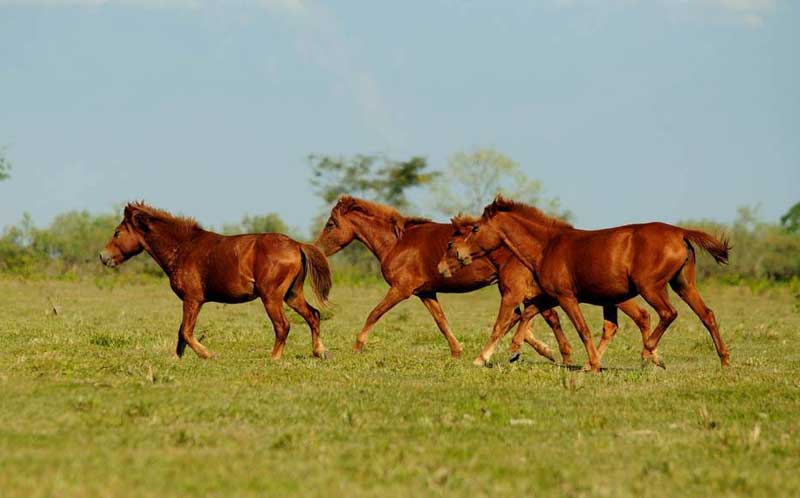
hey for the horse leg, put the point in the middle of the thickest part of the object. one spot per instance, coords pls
(389, 301)
(506, 317)
(658, 298)
(610, 327)
(572, 309)
(435, 309)
(641, 318)
(297, 301)
(179, 349)
(551, 317)
(525, 332)
(190, 311)
(683, 284)
(273, 304)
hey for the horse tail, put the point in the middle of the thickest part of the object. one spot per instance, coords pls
(320, 271)
(717, 248)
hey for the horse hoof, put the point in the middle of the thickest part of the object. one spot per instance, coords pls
(358, 347)
(514, 357)
(479, 362)
(455, 354)
(725, 361)
(587, 367)
(322, 355)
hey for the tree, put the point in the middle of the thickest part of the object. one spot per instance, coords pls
(791, 220)
(372, 177)
(270, 222)
(5, 166)
(472, 179)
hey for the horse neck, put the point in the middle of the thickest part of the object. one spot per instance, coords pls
(165, 242)
(526, 239)
(378, 236)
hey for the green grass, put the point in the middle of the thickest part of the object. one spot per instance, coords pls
(92, 403)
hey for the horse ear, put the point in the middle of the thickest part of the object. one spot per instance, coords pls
(399, 228)
(141, 221)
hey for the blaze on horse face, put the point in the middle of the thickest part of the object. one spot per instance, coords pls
(472, 238)
(127, 240)
(337, 233)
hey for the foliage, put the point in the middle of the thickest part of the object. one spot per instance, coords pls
(5, 166)
(372, 177)
(267, 223)
(472, 179)
(761, 251)
(375, 178)
(93, 403)
(791, 220)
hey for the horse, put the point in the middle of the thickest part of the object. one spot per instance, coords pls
(450, 264)
(204, 266)
(408, 248)
(602, 267)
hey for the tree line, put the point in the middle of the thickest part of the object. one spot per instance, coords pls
(68, 246)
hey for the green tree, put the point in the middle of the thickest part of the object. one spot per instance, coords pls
(270, 222)
(791, 220)
(372, 177)
(472, 179)
(5, 166)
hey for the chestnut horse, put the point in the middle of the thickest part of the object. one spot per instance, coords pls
(408, 249)
(205, 267)
(602, 267)
(450, 264)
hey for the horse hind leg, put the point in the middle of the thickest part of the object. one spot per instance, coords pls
(297, 301)
(658, 298)
(610, 327)
(435, 309)
(273, 304)
(684, 285)
(525, 332)
(641, 318)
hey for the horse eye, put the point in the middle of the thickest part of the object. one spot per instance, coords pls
(450, 245)
(475, 228)
(116, 234)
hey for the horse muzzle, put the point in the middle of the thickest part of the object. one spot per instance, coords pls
(107, 259)
(444, 269)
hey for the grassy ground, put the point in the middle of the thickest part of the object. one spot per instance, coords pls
(92, 403)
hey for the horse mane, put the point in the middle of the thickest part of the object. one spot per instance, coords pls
(349, 203)
(503, 205)
(462, 219)
(176, 223)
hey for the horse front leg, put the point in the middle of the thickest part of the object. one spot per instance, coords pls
(389, 301)
(190, 311)
(572, 309)
(506, 317)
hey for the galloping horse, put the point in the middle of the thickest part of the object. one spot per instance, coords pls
(205, 267)
(408, 249)
(450, 264)
(602, 267)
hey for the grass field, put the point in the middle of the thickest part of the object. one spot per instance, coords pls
(93, 404)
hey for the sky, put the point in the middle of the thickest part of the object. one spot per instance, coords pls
(625, 110)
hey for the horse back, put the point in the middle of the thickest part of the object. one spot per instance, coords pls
(417, 254)
(610, 262)
(236, 268)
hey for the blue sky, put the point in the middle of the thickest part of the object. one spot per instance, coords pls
(625, 110)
